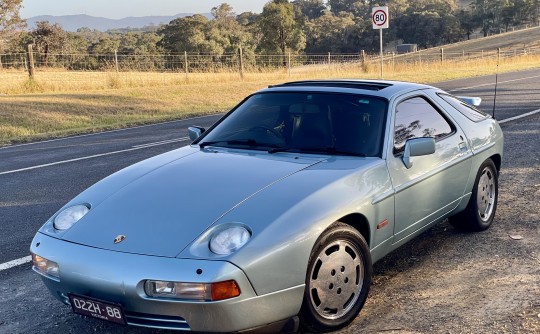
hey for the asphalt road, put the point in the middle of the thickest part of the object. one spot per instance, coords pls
(36, 179)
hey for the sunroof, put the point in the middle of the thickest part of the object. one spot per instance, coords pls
(375, 86)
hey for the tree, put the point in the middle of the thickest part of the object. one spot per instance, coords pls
(11, 23)
(185, 34)
(280, 31)
(226, 32)
(76, 44)
(427, 27)
(309, 9)
(508, 15)
(397, 8)
(247, 18)
(467, 22)
(147, 44)
(222, 11)
(106, 45)
(48, 38)
(490, 14)
(338, 6)
(330, 33)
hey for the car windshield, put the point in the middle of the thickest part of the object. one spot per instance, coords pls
(315, 122)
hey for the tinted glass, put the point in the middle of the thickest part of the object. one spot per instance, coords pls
(305, 122)
(416, 118)
(467, 110)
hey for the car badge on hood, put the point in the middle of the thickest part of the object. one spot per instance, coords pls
(119, 239)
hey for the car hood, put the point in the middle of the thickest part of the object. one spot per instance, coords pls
(169, 201)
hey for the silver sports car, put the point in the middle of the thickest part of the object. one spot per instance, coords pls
(273, 217)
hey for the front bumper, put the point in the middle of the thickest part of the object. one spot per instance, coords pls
(119, 278)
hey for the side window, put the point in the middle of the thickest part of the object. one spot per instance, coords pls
(416, 118)
(470, 112)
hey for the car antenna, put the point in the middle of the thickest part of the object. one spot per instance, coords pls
(496, 81)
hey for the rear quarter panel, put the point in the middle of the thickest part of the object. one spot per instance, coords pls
(485, 140)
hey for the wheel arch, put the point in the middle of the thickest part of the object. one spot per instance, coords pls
(497, 160)
(359, 222)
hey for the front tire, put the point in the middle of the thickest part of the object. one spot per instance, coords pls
(480, 211)
(337, 280)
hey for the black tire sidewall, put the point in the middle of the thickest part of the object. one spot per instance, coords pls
(310, 318)
(476, 221)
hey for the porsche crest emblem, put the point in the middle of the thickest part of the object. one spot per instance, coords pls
(119, 239)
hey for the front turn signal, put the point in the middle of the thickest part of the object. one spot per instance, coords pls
(225, 290)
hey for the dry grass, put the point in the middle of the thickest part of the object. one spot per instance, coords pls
(62, 103)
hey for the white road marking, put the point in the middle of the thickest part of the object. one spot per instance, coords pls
(519, 116)
(84, 158)
(162, 142)
(493, 83)
(110, 131)
(15, 263)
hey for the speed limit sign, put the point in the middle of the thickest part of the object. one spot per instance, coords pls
(379, 17)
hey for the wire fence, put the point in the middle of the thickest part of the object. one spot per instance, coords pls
(184, 62)
(440, 55)
(212, 63)
(79, 72)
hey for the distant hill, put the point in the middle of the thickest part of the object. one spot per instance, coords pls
(74, 22)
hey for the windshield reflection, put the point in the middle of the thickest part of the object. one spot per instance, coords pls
(316, 123)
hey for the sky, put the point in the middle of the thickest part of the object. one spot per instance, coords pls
(116, 9)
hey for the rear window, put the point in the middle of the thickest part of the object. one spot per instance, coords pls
(467, 110)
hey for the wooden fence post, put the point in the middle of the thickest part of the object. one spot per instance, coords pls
(329, 62)
(289, 64)
(241, 62)
(186, 63)
(363, 60)
(30, 56)
(116, 61)
(442, 55)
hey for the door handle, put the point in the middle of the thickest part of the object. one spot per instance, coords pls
(462, 146)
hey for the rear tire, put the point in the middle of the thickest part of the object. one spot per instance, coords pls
(337, 280)
(482, 205)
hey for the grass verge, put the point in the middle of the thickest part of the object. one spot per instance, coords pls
(63, 103)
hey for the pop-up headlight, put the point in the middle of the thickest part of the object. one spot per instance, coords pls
(69, 216)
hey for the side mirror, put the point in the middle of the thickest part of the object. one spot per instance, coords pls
(195, 132)
(417, 147)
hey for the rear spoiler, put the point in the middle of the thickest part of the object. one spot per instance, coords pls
(475, 101)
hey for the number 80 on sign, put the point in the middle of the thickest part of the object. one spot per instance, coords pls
(379, 17)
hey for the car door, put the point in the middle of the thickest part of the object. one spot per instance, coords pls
(435, 183)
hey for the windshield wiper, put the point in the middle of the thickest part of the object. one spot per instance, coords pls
(327, 150)
(248, 142)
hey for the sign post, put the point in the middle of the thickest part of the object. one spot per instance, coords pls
(379, 17)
